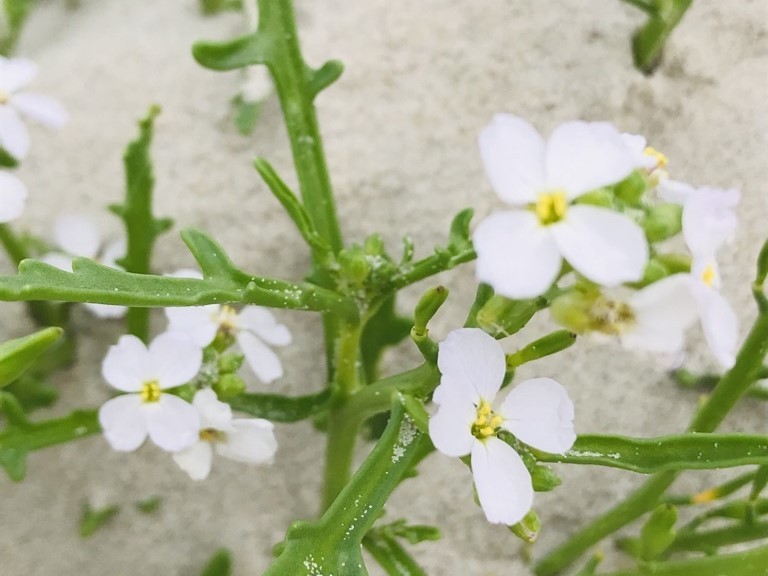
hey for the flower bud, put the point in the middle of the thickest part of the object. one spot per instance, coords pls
(572, 310)
(632, 188)
(427, 307)
(663, 222)
(501, 316)
(374, 245)
(230, 363)
(229, 385)
(600, 197)
(528, 528)
(544, 478)
(658, 533)
(549, 344)
(354, 265)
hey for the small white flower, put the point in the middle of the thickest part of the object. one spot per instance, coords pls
(249, 440)
(253, 327)
(644, 157)
(709, 219)
(538, 412)
(520, 252)
(130, 366)
(78, 236)
(15, 74)
(13, 195)
(654, 318)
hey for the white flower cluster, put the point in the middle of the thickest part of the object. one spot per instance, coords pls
(521, 252)
(192, 432)
(15, 74)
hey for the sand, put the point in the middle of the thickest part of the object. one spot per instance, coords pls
(421, 79)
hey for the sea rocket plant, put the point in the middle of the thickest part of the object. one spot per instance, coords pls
(15, 74)
(520, 252)
(469, 417)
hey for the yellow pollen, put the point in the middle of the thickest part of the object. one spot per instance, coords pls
(705, 496)
(487, 422)
(4, 97)
(150, 391)
(708, 275)
(550, 207)
(211, 435)
(226, 318)
(661, 159)
(611, 316)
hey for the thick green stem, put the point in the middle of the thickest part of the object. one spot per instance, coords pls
(648, 42)
(714, 539)
(732, 386)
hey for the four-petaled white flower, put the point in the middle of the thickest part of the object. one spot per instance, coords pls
(520, 252)
(78, 236)
(709, 221)
(15, 74)
(13, 195)
(253, 327)
(469, 416)
(172, 423)
(249, 440)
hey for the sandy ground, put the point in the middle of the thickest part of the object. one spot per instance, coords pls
(422, 78)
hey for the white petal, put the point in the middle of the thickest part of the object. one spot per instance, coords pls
(262, 360)
(451, 427)
(123, 422)
(14, 137)
(636, 144)
(16, 73)
(60, 261)
(663, 312)
(174, 359)
(503, 483)
(516, 255)
(44, 109)
(196, 460)
(197, 322)
(674, 191)
(513, 155)
(262, 322)
(709, 219)
(213, 413)
(77, 235)
(472, 365)
(604, 246)
(720, 324)
(173, 424)
(106, 311)
(253, 442)
(583, 156)
(13, 195)
(540, 413)
(126, 364)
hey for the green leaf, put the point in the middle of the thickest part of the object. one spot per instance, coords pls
(6, 160)
(148, 506)
(648, 42)
(220, 564)
(692, 451)
(212, 7)
(459, 238)
(92, 519)
(17, 356)
(246, 114)
(16, 14)
(391, 555)
(33, 392)
(279, 408)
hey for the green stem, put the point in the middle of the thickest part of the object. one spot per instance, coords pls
(643, 5)
(731, 387)
(648, 42)
(714, 539)
(749, 563)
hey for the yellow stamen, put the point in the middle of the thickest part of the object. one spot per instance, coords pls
(708, 275)
(551, 207)
(150, 391)
(4, 97)
(611, 316)
(661, 159)
(705, 496)
(487, 422)
(226, 318)
(211, 435)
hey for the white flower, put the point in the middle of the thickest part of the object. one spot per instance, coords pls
(250, 440)
(520, 252)
(253, 327)
(15, 74)
(709, 219)
(130, 366)
(78, 236)
(538, 412)
(654, 318)
(644, 157)
(13, 195)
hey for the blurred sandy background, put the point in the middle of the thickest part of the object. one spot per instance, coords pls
(421, 79)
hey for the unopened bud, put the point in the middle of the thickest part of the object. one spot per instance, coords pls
(632, 188)
(600, 197)
(572, 310)
(501, 316)
(374, 245)
(549, 344)
(427, 307)
(354, 264)
(229, 385)
(544, 478)
(663, 222)
(528, 528)
(658, 533)
(230, 363)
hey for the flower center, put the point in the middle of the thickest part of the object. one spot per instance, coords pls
(4, 97)
(708, 275)
(661, 159)
(487, 422)
(611, 316)
(550, 207)
(212, 435)
(226, 318)
(150, 391)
